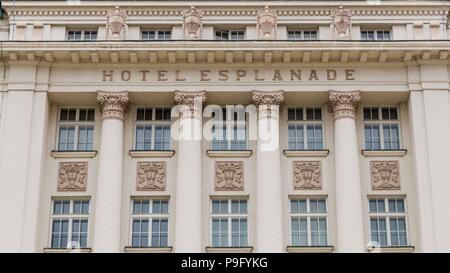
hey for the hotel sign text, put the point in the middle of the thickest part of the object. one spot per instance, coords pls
(228, 75)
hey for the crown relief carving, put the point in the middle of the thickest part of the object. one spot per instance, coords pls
(72, 176)
(307, 175)
(229, 176)
(341, 23)
(192, 23)
(267, 25)
(151, 176)
(385, 175)
(116, 25)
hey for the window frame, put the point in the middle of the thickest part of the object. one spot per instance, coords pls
(157, 31)
(75, 123)
(380, 122)
(305, 123)
(69, 217)
(302, 34)
(230, 124)
(376, 32)
(387, 216)
(230, 34)
(82, 34)
(150, 217)
(228, 216)
(308, 215)
(153, 123)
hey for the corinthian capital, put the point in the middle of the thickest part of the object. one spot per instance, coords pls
(344, 104)
(267, 98)
(114, 104)
(192, 102)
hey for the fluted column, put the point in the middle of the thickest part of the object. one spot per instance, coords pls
(350, 231)
(188, 215)
(110, 172)
(269, 230)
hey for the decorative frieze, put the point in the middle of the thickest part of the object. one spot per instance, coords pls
(344, 104)
(385, 175)
(229, 176)
(341, 23)
(307, 175)
(72, 176)
(192, 23)
(267, 25)
(114, 104)
(116, 25)
(151, 176)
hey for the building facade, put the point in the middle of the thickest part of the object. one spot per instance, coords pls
(205, 126)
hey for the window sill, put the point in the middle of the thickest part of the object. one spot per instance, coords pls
(67, 250)
(152, 153)
(73, 154)
(130, 249)
(248, 249)
(306, 153)
(237, 153)
(310, 249)
(373, 153)
(390, 249)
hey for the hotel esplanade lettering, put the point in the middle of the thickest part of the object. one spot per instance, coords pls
(231, 75)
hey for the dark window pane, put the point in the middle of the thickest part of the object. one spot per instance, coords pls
(318, 114)
(72, 114)
(385, 113)
(367, 115)
(158, 114)
(64, 114)
(299, 114)
(91, 115)
(140, 114)
(291, 114)
(393, 113)
(309, 114)
(148, 114)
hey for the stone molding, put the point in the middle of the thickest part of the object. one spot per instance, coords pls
(307, 175)
(229, 176)
(385, 175)
(151, 176)
(114, 104)
(72, 176)
(344, 104)
(267, 24)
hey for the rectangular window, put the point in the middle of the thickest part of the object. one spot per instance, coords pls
(156, 34)
(305, 129)
(299, 34)
(76, 129)
(150, 223)
(376, 35)
(381, 128)
(70, 223)
(82, 35)
(153, 129)
(229, 131)
(229, 223)
(388, 225)
(233, 35)
(309, 225)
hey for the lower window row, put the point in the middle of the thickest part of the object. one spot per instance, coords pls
(229, 227)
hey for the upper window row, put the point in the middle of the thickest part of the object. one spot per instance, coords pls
(230, 34)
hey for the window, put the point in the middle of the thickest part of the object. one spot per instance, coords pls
(76, 129)
(229, 223)
(230, 35)
(381, 128)
(159, 34)
(309, 222)
(299, 34)
(376, 35)
(153, 129)
(70, 223)
(305, 129)
(82, 35)
(150, 223)
(229, 131)
(388, 221)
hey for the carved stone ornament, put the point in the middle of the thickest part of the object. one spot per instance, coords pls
(385, 175)
(192, 24)
(192, 100)
(268, 103)
(307, 175)
(72, 176)
(344, 104)
(151, 176)
(114, 104)
(341, 22)
(267, 25)
(229, 176)
(116, 25)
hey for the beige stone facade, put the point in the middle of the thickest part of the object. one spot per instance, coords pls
(345, 106)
